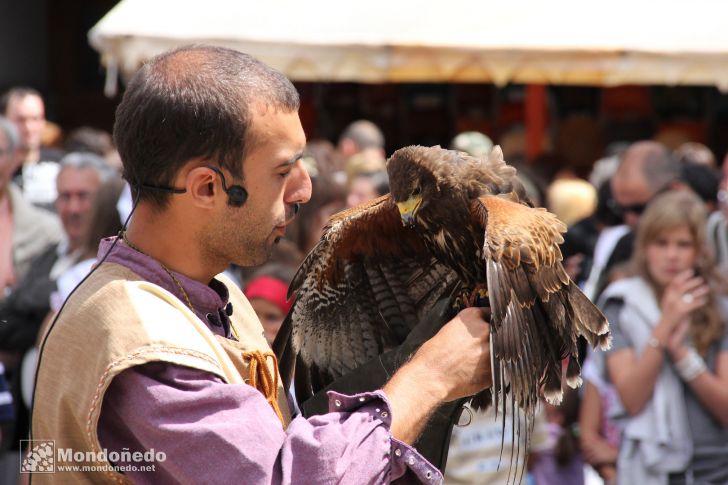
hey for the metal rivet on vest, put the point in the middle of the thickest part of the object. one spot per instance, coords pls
(428, 475)
(362, 399)
(338, 403)
(377, 410)
(411, 460)
(398, 452)
(385, 414)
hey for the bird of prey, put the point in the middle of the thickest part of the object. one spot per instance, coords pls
(451, 223)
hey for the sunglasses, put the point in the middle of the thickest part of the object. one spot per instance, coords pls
(636, 209)
(621, 210)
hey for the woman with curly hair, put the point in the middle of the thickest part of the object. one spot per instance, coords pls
(669, 358)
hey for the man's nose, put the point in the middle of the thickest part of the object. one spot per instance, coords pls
(299, 185)
(76, 205)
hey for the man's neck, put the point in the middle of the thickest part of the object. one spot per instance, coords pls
(173, 246)
(27, 156)
(73, 246)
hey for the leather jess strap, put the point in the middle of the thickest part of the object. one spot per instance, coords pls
(262, 379)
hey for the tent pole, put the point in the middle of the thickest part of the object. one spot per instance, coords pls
(535, 120)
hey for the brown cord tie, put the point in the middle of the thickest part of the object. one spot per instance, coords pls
(262, 380)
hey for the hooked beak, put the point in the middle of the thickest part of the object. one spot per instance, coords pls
(408, 210)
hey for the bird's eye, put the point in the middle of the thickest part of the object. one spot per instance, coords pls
(417, 191)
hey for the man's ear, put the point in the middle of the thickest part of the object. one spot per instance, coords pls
(202, 187)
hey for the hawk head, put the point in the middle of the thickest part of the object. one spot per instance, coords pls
(424, 181)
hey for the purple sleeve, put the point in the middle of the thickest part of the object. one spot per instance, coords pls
(212, 432)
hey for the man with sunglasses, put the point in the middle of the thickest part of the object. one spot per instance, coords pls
(646, 169)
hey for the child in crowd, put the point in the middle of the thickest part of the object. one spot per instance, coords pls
(266, 290)
(599, 431)
(561, 464)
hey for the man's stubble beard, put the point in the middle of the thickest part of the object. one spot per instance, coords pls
(236, 240)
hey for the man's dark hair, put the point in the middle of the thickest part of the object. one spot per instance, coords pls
(193, 102)
(16, 92)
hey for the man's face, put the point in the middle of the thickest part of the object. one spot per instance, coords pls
(76, 192)
(275, 179)
(631, 193)
(28, 114)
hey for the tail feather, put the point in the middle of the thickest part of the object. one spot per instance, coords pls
(552, 385)
(588, 319)
(573, 372)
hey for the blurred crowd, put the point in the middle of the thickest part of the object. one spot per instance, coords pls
(647, 241)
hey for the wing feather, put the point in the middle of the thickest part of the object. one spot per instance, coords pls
(359, 292)
(537, 312)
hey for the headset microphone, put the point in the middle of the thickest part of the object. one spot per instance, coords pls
(237, 195)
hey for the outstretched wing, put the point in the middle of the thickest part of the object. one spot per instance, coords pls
(537, 311)
(359, 292)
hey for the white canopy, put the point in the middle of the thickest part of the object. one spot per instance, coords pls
(526, 41)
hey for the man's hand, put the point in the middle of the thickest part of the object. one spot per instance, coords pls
(458, 356)
(454, 363)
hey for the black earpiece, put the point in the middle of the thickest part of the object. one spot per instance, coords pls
(237, 195)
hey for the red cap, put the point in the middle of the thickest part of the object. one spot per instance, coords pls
(271, 289)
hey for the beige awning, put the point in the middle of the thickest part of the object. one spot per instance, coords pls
(526, 41)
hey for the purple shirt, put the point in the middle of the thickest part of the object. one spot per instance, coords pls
(213, 432)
